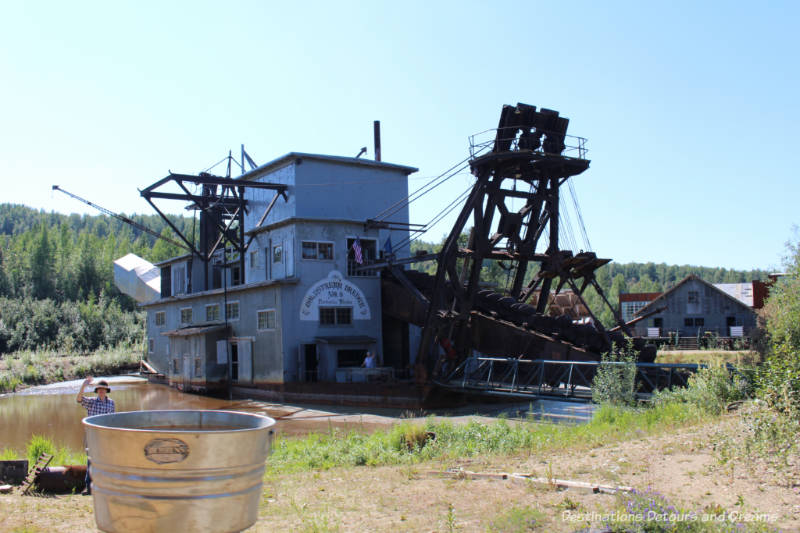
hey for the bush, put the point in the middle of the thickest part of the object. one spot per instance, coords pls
(615, 380)
(778, 382)
(710, 390)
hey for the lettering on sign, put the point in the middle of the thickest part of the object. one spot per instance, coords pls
(334, 291)
(164, 451)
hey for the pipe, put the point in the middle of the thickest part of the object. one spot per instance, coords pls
(377, 133)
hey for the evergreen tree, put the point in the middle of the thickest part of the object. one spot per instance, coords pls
(42, 264)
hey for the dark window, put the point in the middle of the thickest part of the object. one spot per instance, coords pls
(335, 315)
(166, 281)
(234, 362)
(216, 277)
(327, 315)
(309, 250)
(699, 321)
(694, 297)
(311, 361)
(658, 322)
(322, 251)
(730, 321)
(236, 275)
(350, 357)
(344, 315)
(688, 322)
(325, 250)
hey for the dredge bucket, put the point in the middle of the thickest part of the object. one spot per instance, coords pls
(172, 471)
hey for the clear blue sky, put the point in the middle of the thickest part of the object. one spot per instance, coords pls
(691, 108)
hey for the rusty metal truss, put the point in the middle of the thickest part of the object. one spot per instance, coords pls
(531, 157)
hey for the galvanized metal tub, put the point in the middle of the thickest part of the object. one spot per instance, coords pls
(177, 470)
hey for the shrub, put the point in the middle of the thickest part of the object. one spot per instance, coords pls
(615, 380)
(710, 390)
(778, 381)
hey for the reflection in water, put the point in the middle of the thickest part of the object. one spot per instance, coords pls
(53, 412)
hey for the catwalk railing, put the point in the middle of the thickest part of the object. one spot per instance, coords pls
(544, 378)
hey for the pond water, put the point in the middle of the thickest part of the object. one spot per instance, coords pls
(52, 411)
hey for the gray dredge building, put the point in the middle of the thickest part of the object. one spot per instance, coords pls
(299, 310)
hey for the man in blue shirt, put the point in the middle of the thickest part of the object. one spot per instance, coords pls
(99, 405)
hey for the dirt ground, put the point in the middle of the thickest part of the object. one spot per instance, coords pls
(680, 465)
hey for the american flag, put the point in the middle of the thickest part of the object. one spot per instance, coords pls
(357, 251)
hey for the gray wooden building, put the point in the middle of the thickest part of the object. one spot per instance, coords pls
(300, 310)
(694, 307)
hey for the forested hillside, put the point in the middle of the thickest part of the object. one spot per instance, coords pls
(56, 278)
(57, 290)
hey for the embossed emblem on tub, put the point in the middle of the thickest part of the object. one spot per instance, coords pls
(163, 451)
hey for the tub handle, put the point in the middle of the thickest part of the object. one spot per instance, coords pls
(270, 437)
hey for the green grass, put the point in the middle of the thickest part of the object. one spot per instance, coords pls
(518, 519)
(39, 444)
(7, 454)
(335, 449)
(40, 367)
(714, 357)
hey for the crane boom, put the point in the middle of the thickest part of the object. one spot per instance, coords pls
(125, 219)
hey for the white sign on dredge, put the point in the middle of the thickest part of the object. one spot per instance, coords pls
(334, 291)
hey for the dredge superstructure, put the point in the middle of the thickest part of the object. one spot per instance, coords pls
(529, 159)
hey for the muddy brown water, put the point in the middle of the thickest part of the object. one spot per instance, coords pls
(52, 411)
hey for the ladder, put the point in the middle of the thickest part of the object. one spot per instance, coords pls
(40, 464)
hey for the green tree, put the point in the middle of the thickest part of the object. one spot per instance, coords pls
(779, 377)
(42, 263)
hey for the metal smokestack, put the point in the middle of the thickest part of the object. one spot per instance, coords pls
(377, 128)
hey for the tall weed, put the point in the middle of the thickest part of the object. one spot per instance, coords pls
(39, 444)
(710, 389)
(615, 381)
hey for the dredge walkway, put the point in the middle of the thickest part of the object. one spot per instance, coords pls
(548, 379)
